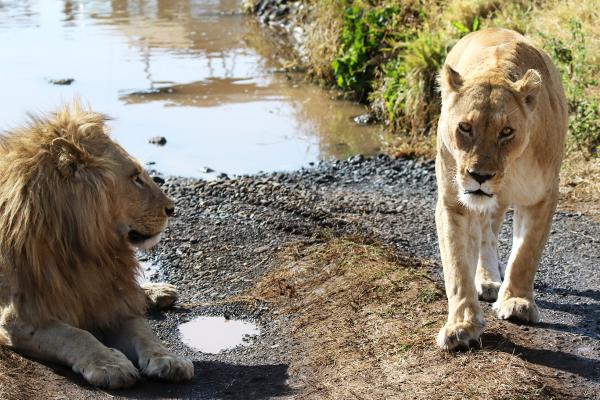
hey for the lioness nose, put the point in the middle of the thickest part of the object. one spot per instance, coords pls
(480, 178)
(170, 211)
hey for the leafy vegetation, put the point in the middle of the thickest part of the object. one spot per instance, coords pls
(388, 53)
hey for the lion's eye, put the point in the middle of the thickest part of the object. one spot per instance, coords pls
(465, 128)
(138, 181)
(507, 133)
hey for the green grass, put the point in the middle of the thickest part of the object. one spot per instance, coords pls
(388, 53)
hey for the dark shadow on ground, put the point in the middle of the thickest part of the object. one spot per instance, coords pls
(588, 317)
(587, 368)
(219, 380)
(212, 380)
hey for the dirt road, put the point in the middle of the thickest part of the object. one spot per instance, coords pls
(228, 234)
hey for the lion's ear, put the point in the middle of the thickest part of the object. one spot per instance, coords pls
(450, 80)
(529, 87)
(67, 157)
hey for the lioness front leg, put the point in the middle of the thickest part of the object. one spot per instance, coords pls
(530, 232)
(135, 338)
(76, 348)
(488, 277)
(459, 258)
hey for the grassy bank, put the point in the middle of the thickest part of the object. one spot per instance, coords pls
(363, 321)
(387, 53)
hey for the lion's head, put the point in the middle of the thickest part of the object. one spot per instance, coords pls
(141, 209)
(73, 206)
(486, 124)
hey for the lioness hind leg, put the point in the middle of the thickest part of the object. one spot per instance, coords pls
(58, 342)
(160, 295)
(530, 232)
(488, 277)
(135, 338)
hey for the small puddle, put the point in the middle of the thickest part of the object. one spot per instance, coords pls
(216, 334)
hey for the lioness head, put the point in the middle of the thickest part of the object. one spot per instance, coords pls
(88, 158)
(485, 124)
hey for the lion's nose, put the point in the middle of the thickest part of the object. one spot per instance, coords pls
(170, 211)
(480, 178)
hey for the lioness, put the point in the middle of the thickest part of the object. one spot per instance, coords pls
(500, 142)
(73, 206)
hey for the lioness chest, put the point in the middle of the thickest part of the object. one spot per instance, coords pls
(527, 183)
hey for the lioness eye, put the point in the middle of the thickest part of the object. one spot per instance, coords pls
(464, 127)
(506, 133)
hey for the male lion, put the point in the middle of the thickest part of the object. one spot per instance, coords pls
(73, 206)
(500, 142)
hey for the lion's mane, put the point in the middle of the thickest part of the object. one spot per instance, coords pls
(60, 254)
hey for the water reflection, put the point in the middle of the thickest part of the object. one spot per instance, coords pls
(216, 334)
(197, 72)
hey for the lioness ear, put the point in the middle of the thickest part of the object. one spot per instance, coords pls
(529, 87)
(67, 157)
(450, 80)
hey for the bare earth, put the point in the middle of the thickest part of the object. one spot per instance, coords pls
(338, 264)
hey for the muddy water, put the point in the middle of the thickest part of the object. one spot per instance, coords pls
(216, 334)
(199, 73)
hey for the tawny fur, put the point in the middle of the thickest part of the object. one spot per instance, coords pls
(494, 81)
(73, 206)
(59, 252)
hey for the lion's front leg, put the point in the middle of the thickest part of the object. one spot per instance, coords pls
(530, 232)
(160, 295)
(135, 338)
(77, 348)
(459, 238)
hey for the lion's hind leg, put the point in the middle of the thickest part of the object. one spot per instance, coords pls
(488, 276)
(160, 295)
(79, 349)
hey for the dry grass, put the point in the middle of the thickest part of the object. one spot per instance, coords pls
(580, 185)
(364, 321)
(17, 376)
(322, 38)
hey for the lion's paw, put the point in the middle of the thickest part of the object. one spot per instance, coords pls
(109, 369)
(168, 367)
(487, 290)
(160, 295)
(519, 308)
(454, 335)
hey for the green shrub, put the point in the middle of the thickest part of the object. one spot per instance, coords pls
(361, 43)
(410, 87)
(578, 77)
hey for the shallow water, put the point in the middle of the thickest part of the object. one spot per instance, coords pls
(216, 334)
(199, 73)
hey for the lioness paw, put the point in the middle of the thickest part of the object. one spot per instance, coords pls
(168, 367)
(461, 334)
(487, 290)
(518, 308)
(160, 295)
(108, 369)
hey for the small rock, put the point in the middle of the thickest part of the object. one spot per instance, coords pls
(365, 119)
(158, 140)
(206, 170)
(63, 82)
(158, 180)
